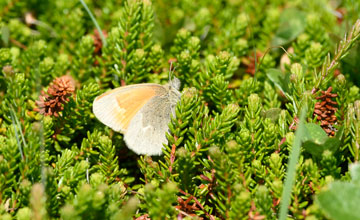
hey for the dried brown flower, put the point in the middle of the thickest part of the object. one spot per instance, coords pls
(324, 111)
(250, 63)
(97, 41)
(98, 44)
(58, 93)
(143, 217)
(8, 70)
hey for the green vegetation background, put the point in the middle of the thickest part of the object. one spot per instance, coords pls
(234, 129)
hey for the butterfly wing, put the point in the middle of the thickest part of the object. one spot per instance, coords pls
(146, 131)
(117, 107)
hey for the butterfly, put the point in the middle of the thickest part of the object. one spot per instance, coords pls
(141, 112)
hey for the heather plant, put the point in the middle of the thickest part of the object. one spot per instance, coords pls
(268, 125)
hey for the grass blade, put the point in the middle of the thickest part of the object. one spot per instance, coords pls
(13, 116)
(95, 22)
(291, 171)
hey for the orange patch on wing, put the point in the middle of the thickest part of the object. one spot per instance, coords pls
(116, 108)
(132, 101)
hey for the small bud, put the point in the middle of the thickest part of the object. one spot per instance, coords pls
(275, 158)
(189, 92)
(139, 53)
(262, 191)
(340, 79)
(8, 70)
(214, 152)
(354, 91)
(242, 44)
(97, 178)
(40, 45)
(256, 164)
(185, 56)
(99, 197)
(65, 190)
(183, 33)
(357, 109)
(83, 165)
(87, 41)
(254, 102)
(181, 152)
(234, 108)
(5, 56)
(156, 48)
(297, 70)
(245, 195)
(15, 52)
(25, 183)
(326, 154)
(224, 55)
(63, 59)
(46, 65)
(232, 146)
(245, 136)
(20, 78)
(154, 183)
(303, 39)
(277, 186)
(290, 138)
(210, 58)
(194, 42)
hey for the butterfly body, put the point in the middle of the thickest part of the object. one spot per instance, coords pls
(141, 112)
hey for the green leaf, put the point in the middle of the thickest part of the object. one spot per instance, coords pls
(272, 113)
(5, 35)
(340, 133)
(341, 201)
(280, 79)
(315, 133)
(355, 173)
(292, 23)
(316, 141)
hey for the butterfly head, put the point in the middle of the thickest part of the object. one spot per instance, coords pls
(174, 83)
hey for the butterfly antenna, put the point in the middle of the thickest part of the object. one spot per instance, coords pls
(171, 71)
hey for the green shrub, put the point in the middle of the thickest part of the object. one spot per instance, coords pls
(247, 68)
